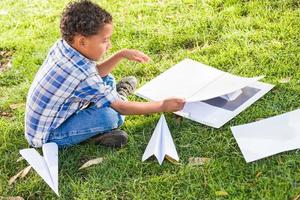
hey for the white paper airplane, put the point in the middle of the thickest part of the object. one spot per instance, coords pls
(47, 166)
(270, 136)
(161, 144)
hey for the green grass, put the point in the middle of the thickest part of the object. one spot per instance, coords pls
(248, 38)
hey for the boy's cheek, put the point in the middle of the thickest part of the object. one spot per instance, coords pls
(100, 53)
(94, 55)
(103, 50)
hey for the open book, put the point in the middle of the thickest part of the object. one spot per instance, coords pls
(193, 81)
(213, 96)
(47, 166)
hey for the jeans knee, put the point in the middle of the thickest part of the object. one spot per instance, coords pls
(121, 120)
(112, 117)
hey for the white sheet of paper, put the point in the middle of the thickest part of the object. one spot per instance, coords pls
(193, 81)
(161, 143)
(47, 166)
(268, 137)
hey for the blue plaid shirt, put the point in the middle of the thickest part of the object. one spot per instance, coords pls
(65, 83)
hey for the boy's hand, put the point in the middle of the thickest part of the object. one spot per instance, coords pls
(134, 55)
(172, 104)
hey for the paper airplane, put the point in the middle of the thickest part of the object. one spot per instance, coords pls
(47, 166)
(213, 97)
(161, 144)
(270, 136)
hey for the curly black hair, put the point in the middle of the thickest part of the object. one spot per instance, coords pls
(82, 17)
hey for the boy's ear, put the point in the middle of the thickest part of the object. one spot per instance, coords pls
(81, 41)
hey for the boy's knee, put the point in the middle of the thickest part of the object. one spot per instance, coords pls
(121, 120)
(113, 118)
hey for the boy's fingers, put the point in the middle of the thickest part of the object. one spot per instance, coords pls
(138, 59)
(144, 56)
(180, 100)
(181, 103)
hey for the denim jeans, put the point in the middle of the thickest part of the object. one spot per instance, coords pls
(87, 123)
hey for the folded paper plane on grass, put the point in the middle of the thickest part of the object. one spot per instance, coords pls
(47, 166)
(270, 136)
(213, 96)
(161, 144)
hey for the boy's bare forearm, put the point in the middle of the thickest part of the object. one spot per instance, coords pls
(130, 54)
(137, 108)
(108, 65)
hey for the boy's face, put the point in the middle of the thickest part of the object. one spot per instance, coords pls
(93, 47)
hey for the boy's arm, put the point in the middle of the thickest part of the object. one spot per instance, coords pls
(107, 66)
(139, 108)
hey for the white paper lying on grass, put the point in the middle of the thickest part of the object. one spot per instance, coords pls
(161, 143)
(47, 166)
(213, 97)
(270, 136)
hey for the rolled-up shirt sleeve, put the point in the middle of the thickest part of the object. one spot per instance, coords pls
(93, 89)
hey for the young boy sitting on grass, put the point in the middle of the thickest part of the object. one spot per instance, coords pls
(72, 98)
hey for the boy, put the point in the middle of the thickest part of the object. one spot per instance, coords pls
(72, 98)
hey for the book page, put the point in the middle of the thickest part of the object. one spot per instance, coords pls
(225, 84)
(182, 80)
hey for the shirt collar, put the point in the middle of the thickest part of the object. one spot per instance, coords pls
(71, 52)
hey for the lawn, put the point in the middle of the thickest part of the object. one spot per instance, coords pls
(247, 38)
